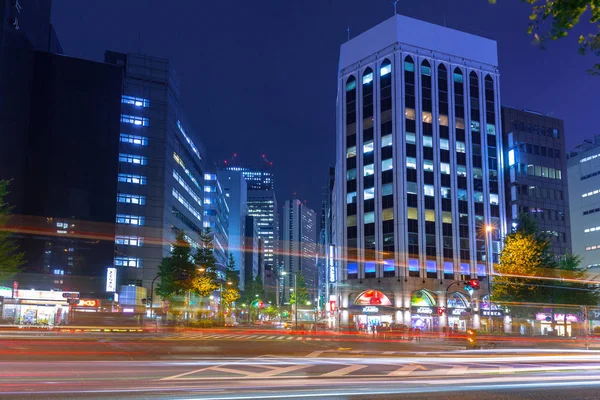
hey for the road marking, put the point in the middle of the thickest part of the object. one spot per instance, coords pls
(506, 370)
(314, 354)
(260, 337)
(298, 338)
(280, 337)
(345, 370)
(388, 352)
(271, 337)
(283, 370)
(458, 370)
(407, 369)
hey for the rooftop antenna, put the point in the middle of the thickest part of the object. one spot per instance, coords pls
(348, 32)
(395, 2)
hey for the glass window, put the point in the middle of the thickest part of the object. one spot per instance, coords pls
(388, 265)
(386, 140)
(131, 199)
(430, 215)
(448, 268)
(409, 113)
(370, 267)
(425, 70)
(386, 165)
(368, 170)
(132, 119)
(411, 163)
(385, 69)
(446, 193)
(351, 152)
(368, 146)
(129, 240)
(444, 144)
(369, 193)
(461, 194)
(130, 178)
(445, 168)
(135, 101)
(130, 219)
(478, 197)
(133, 139)
(460, 123)
(511, 157)
(427, 141)
(128, 262)
(477, 173)
(461, 170)
(351, 174)
(446, 217)
(367, 78)
(428, 190)
(490, 129)
(409, 66)
(431, 266)
(411, 138)
(460, 147)
(475, 126)
(369, 217)
(443, 119)
(458, 78)
(351, 198)
(188, 188)
(351, 220)
(412, 213)
(411, 187)
(427, 118)
(351, 84)
(428, 165)
(387, 214)
(494, 199)
(133, 159)
(387, 189)
(352, 268)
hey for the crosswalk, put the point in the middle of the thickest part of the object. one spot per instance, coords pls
(187, 336)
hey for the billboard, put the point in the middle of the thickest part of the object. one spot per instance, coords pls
(111, 279)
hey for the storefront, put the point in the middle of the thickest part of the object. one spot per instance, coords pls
(370, 309)
(458, 311)
(424, 311)
(31, 307)
(556, 327)
(492, 316)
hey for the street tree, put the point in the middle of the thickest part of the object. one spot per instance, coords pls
(10, 257)
(300, 292)
(554, 19)
(205, 276)
(176, 271)
(231, 291)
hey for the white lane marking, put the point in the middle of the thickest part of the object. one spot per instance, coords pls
(271, 337)
(458, 370)
(314, 354)
(283, 370)
(388, 352)
(298, 338)
(280, 337)
(260, 337)
(290, 338)
(407, 369)
(345, 370)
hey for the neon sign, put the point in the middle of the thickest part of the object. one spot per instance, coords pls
(370, 309)
(332, 277)
(111, 279)
(87, 303)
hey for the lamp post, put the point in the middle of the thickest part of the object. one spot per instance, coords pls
(152, 294)
(488, 230)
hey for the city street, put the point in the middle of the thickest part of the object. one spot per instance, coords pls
(236, 366)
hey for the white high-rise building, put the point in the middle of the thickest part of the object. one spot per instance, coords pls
(418, 175)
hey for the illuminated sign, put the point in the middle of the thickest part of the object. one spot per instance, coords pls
(457, 312)
(111, 279)
(87, 303)
(45, 295)
(370, 309)
(332, 305)
(128, 310)
(423, 310)
(557, 317)
(491, 313)
(332, 277)
(511, 158)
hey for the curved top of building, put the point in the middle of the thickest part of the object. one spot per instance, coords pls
(412, 32)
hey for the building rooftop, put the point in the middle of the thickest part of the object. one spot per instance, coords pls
(585, 146)
(413, 32)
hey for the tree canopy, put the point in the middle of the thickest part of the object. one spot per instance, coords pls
(10, 257)
(301, 292)
(177, 271)
(205, 278)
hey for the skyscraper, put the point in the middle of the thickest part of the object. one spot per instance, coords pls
(418, 173)
(216, 218)
(536, 174)
(299, 248)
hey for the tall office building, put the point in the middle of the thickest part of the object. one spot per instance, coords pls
(216, 218)
(299, 248)
(324, 261)
(160, 188)
(535, 173)
(236, 194)
(584, 202)
(418, 174)
(252, 246)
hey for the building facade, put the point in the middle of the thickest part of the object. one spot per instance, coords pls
(299, 248)
(584, 202)
(536, 174)
(160, 181)
(216, 218)
(418, 175)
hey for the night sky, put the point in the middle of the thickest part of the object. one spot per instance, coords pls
(259, 77)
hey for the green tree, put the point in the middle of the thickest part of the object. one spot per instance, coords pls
(10, 257)
(231, 291)
(301, 292)
(176, 272)
(562, 16)
(205, 278)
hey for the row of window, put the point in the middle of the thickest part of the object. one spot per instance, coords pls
(592, 248)
(133, 139)
(541, 213)
(131, 178)
(129, 240)
(537, 170)
(187, 139)
(133, 159)
(595, 210)
(187, 187)
(128, 262)
(584, 177)
(186, 204)
(533, 128)
(132, 119)
(131, 199)
(538, 150)
(536, 191)
(430, 267)
(135, 101)
(130, 219)
(591, 193)
(589, 158)
(179, 161)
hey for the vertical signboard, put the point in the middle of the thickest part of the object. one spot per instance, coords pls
(331, 264)
(111, 279)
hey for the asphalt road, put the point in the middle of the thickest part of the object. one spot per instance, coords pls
(221, 366)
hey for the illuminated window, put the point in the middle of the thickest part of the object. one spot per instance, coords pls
(368, 170)
(409, 66)
(351, 174)
(210, 177)
(444, 144)
(428, 190)
(367, 78)
(446, 193)
(411, 163)
(494, 199)
(387, 189)
(490, 129)
(189, 190)
(351, 152)
(460, 147)
(351, 198)
(369, 217)
(186, 204)
(427, 118)
(128, 262)
(133, 139)
(386, 140)
(445, 168)
(461, 195)
(411, 138)
(179, 161)
(131, 199)
(428, 165)
(425, 70)
(369, 193)
(387, 214)
(386, 165)
(135, 101)
(460, 123)
(443, 119)
(478, 197)
(130, 219)
(427, 141)
(385, 69)
(446, 217)
(411, 213)
(137, 121)
(188, 140)
(409, 113)
(129, 240)
(430, 215)
(351, 220)
(368, 147)
(130, 178)
(132, 159)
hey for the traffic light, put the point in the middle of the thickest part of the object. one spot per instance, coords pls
(472, 284)
(471, 338)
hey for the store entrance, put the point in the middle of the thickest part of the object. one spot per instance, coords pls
(366, 323)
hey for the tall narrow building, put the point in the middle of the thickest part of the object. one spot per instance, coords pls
(419, 175)
(299, 248)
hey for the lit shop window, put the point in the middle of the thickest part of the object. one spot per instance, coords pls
(133, 159)
(133, 139)
(131, 199)
(135, 101)
(129, 240)
(130, 178)
(130, 219)
(132, 119)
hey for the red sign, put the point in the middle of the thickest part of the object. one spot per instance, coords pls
(15, 289)
(87, 303)
(332, 305)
